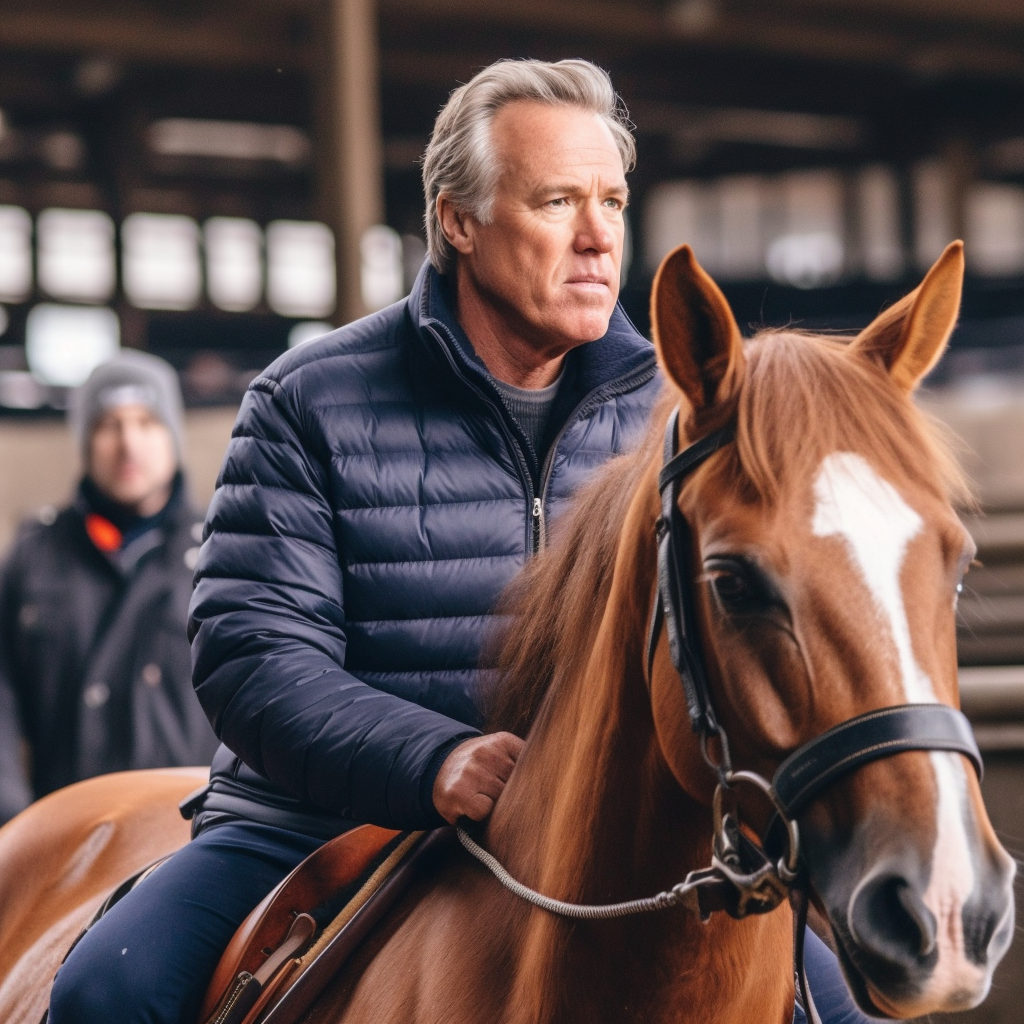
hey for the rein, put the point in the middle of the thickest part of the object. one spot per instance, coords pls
(744, 878)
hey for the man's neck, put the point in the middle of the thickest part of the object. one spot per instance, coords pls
(153, 503)
(508, 355)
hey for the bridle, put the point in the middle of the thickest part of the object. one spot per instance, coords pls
(748, 876)
(761, 880)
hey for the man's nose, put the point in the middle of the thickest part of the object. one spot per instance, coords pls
(593, 232)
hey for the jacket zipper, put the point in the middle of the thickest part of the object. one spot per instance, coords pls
(532, 502)
(621, 385)
(535, 503)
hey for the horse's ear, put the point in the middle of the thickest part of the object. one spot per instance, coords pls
(910, 337)
(695, 333)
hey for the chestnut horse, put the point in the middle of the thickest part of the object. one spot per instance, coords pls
(828, 562)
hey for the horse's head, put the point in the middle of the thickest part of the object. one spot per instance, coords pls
(828, 560)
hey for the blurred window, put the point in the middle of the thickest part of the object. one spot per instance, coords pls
(229, 140)
(808, 251)
(63, 344)
(15, 254)
(307, 330)
(76, 254)
(741, 215)
(878, 219)
(234, 262)
(300, 268)
(160, 260)
(995, 229)
(933, 220)
(380, 270)
(678, 212)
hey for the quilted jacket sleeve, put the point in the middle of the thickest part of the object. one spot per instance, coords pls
(267, 623)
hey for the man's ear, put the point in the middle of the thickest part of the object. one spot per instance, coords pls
(910, 337)
(454, 224)
(695, 333)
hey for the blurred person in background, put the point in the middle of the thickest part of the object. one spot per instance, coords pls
(95, 674)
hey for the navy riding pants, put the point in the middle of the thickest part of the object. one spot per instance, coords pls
(149, 960)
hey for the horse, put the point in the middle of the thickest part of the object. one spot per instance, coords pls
(826, 561)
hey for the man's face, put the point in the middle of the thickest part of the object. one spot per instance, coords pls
(131, 458)
(549, 260)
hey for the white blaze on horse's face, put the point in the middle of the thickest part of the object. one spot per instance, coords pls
(876, 525)
(853, 502)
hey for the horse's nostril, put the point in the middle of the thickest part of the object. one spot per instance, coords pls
(888, 919)
(922, 917)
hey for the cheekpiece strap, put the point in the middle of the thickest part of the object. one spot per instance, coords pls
(674, 605)
(870, 737)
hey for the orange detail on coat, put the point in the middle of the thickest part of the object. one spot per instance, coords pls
(102, 532)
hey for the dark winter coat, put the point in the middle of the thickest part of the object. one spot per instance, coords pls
(94, 660)
(375, 499)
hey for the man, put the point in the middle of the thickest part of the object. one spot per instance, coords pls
(382, 486)
(95, 673)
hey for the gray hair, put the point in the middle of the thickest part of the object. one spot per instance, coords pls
(459, 160)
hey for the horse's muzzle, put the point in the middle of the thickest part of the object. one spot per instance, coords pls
(908, 948)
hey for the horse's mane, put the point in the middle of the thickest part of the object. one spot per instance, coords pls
(801, 398)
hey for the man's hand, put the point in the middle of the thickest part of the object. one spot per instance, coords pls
(474, 774)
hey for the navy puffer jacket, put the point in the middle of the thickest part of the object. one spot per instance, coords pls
(375, 499)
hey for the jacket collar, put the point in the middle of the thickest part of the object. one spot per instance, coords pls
(620, 353)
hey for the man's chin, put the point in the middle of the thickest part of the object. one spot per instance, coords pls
(135, 498)
(588, 324)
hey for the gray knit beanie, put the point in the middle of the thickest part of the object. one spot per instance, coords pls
(130, 377)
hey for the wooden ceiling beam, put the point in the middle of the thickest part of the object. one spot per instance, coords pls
(773, 32)
(150, 39)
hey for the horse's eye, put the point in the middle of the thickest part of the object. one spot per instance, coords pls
(735, 584)
(731, 587)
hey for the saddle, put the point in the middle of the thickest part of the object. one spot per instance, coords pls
(292, 944)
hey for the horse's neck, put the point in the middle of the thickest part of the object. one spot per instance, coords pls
(592, 814)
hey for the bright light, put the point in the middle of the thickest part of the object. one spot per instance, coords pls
(64, 344)
(300, 268)
(234, 262)
(806, 261)
(15, 254)
(381, 270)
(160, 260)
(307, 330)
(76, 254)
